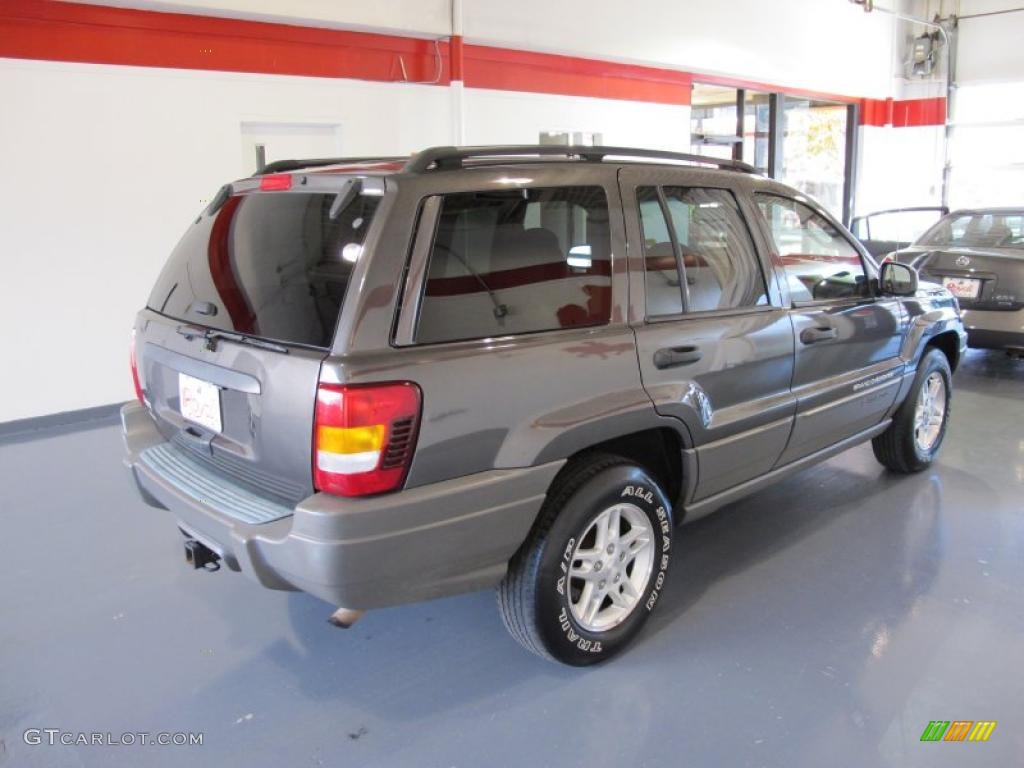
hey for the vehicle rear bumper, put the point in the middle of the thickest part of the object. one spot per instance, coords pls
(421, 543)
(994, 330)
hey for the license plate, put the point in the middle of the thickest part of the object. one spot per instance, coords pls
(199, 401)
(962, 287)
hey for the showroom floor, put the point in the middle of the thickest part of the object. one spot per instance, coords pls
(825, 621)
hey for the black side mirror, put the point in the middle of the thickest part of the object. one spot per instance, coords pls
(895, 279)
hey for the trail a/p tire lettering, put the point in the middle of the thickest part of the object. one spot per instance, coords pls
(585, 645)
(638, 492)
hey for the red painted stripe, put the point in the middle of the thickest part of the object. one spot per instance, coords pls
(510, 70)
(60, 31)
(457, 51)
(903, 114)
(57, 31)
(918, 112)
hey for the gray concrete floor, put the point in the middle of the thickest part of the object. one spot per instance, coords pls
(825, 621)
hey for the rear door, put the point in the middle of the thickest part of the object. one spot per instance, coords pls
(715, 345)
(883, 232)
(268, 272)
(847, 338)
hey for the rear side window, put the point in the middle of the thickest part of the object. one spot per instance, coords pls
(517, 261)
(820, 263)
(701, 258)
(269, 264)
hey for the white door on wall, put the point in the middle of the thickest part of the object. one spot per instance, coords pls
(287, 141)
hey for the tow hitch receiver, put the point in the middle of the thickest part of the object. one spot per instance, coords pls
(198, 555)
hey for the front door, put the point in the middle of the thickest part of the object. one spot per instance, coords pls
(847, 337)
(715, 342)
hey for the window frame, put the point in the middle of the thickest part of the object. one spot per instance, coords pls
(869, 267)
(413, 288)
(684, 289)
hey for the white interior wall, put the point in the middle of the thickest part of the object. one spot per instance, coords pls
(989, 49)
(825, 45)
(899, 167)
(109, 165)
(423, 18)
(503, 117)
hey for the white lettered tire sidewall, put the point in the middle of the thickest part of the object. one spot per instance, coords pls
(563, 636)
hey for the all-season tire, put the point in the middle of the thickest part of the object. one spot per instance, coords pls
(542, 594)
(901, 448)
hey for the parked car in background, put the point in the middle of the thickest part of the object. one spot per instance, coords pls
(978, 255)
(514, 367)
(883, 232)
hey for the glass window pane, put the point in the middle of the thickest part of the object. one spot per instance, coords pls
(274, 265)
(721, 265)
(713, 121)
(517, 261)
(664, 296)
(820, 262)
(994, 229)
(756, 130)
(814, 151)
(902, 226)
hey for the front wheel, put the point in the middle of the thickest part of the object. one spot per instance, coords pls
(913, 439)
(594, 566)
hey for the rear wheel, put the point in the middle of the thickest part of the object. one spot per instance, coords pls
(913, 439)
(593, 568)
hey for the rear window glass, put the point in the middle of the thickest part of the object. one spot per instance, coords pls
(273, 265)
(978, 230)
(517, 261)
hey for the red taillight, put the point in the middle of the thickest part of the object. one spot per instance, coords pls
(135, 371)
(276, 182)
(364, 437)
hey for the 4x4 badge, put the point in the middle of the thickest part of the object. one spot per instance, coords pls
(963, 261)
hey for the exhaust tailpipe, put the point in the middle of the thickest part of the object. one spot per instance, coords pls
(345, 617)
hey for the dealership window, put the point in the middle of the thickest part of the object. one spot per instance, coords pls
(715, 266)
(820, 263)
(805, 142)
(517, 261)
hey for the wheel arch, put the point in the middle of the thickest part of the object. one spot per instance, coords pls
(947, 342)
(659, 450)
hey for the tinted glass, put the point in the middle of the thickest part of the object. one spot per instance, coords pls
(896, 226)
(273, 265)
(718, 256)
(820, 262)
(978, 230)
(517, 261)
(664, 294)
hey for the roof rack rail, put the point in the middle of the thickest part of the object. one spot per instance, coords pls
(445, 158)
(284, 166)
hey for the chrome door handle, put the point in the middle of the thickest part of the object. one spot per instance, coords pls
(814, 335)
(669, 357)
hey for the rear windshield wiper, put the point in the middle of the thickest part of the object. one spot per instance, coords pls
(211, 335)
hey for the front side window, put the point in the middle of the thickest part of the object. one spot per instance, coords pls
(515, 261)
(716, 266)
(820, 263)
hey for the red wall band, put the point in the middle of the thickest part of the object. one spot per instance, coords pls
(59, 31)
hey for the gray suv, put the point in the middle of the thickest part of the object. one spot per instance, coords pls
(387, 380)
